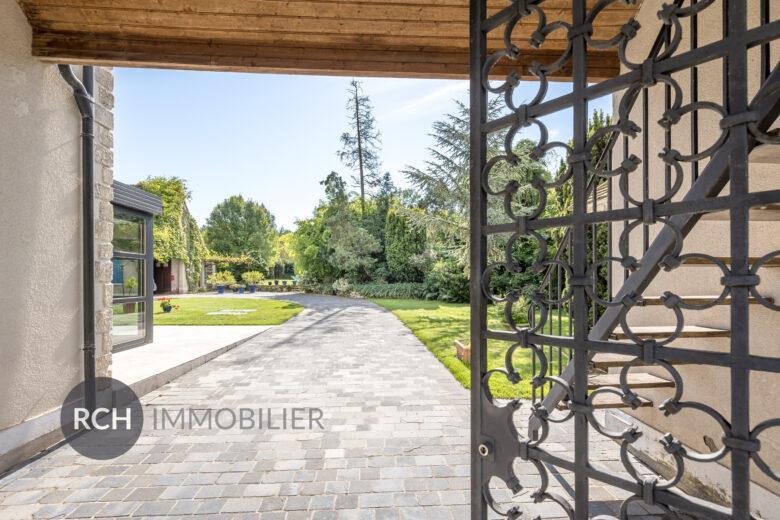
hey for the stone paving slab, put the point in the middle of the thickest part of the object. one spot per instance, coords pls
(177, 349)
(394, 442)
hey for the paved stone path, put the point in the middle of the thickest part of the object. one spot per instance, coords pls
(394, 443)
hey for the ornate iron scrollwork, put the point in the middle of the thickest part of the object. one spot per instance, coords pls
(742, 124)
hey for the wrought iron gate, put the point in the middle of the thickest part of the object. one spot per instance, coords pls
(693, 181)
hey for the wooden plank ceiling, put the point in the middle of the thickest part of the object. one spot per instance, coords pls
(397, 38)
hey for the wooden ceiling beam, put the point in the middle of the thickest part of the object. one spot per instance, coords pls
(257, 5)
(424, 38)
(555, 42)
(266, 58)
(104, 20)
(324, 11)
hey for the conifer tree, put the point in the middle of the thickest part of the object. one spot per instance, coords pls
(360, 145)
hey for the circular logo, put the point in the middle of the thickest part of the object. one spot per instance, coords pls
(111, 428)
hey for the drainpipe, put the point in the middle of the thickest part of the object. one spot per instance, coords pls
(83, 94)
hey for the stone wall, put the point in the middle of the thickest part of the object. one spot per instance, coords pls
(104, 225)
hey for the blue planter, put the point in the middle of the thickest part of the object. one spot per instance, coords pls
(252, 288)
(167, 308)
(240, 290)
(284, 282)
(276, 282)
(221, 289)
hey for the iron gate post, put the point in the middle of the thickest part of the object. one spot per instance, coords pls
(478, 254)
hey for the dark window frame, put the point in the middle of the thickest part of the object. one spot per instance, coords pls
(148, 278)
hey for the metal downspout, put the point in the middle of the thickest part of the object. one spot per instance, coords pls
(83, 92)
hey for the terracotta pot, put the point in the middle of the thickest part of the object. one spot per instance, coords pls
(463, 350)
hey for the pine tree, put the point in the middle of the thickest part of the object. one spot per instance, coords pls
(360, 146)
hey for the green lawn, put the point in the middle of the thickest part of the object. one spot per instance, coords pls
(193, 311)
(439, 324)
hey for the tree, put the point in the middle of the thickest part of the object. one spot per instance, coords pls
(360, 146)
(561, 201)
(350, 247)
(310, 248)
(332, 244)
(373, 219)
(285, 256)
(443, 184)
(239, 227)
(402, 243)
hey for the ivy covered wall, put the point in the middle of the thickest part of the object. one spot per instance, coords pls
(176, 233)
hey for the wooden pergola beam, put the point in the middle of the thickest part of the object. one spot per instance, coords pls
(395, 38)
(242, 57)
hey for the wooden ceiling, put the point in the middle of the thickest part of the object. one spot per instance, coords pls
(397, 38)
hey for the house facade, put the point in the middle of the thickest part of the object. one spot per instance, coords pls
(42, 210)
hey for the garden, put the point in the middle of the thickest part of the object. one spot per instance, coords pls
(223, 311)
(406, 249)
(438, 324)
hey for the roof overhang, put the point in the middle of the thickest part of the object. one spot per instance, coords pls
(135, 198)
(394, 38)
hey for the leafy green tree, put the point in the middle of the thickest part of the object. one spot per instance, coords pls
(311, 250)
(360, 145)
(402, 244)
(285, 256)
(561, 201)
(176, 234)
(332, 244)
(350, 247)
(443, 184)
(239, 227)
(372, 219)
(353, 249)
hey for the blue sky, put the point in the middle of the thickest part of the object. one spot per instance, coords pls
(271, 138)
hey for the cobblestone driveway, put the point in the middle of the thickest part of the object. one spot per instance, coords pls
(394, 443)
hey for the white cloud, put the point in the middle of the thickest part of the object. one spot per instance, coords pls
(419, 104)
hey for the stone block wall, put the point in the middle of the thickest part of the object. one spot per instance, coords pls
(104, 214)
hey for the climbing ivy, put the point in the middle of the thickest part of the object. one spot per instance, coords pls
(176, 234)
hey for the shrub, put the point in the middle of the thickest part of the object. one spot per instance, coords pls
(221, 278)
(406, 291)
(402, 244)
(341, 286)
(399, 291)
(447, 281)
(252, 277)
(131, 284)
(308, 282)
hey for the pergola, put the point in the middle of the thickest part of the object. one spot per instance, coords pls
(394, 38)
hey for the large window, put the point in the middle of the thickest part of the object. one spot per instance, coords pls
(128, 232)
(132, 294)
